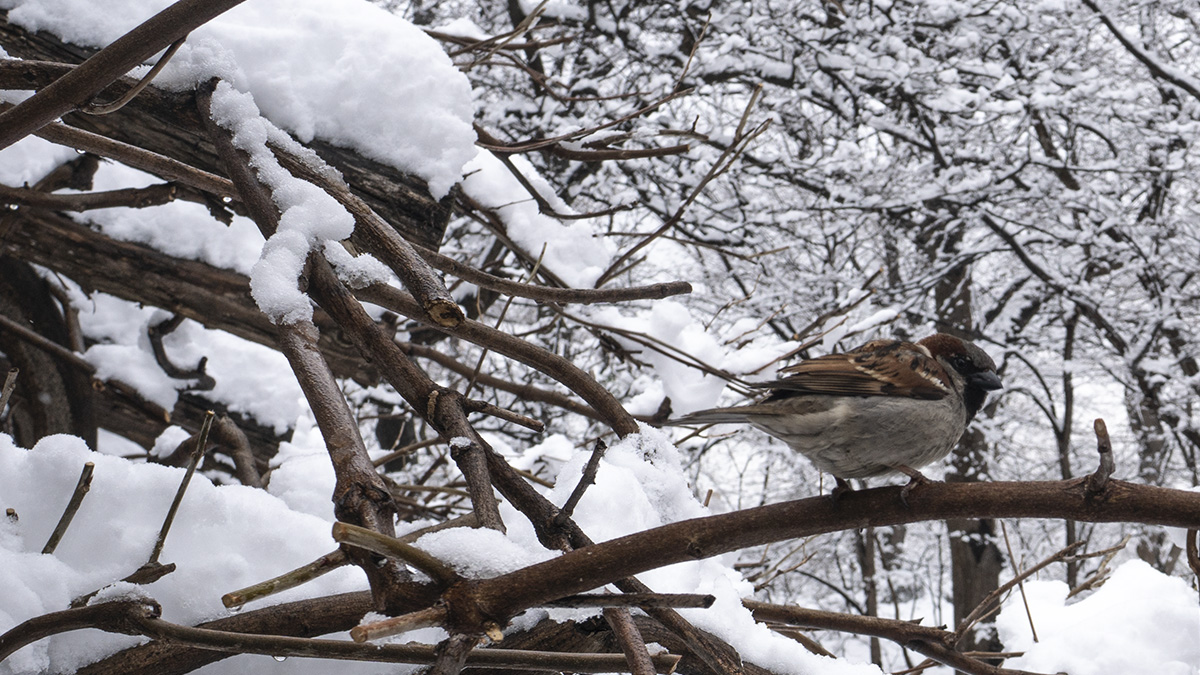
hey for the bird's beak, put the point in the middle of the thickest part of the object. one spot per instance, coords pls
(986, 380)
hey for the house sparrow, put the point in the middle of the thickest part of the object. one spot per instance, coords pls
(885, 406)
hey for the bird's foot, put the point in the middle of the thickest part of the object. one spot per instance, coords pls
(841, 488)
(915, 478)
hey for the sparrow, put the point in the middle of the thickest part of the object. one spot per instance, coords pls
(887, 406)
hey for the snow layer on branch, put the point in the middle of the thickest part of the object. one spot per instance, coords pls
(224, 538)
(345, 71)
(308, 217)
(1140, 622)
(573, 251)
(250, 379)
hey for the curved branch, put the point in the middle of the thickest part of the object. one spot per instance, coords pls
(500, 597)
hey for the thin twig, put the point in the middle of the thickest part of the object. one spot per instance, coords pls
(588, 478)
(234, 441)
(156, 332)
(562, 296)
(140, 617)
(473, 405)
(50, 346)
(201, 444)
(81, 490)
(361, 537)
(983, 607)
(383, 240)
(107, 108)
(423, 618)
(1020, 580)
(323, 565)
(133, 198)
(1102, 569)
(138, 158)
(740, 140)
(412, 447)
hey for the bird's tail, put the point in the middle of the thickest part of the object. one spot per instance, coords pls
(710, 416)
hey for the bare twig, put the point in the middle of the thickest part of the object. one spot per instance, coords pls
(1193, 552)
(323, 565)
(81, 490)
(588, 478)
(1158, 69)
(118, 616)
(740, 140)
(201, 444)
(496, 411)
(932, 642)
(1020, 580)
(423, 618)
(547, 362)
(524, 392)
(138, 158)
(360, 537)
(108, 108)
(1102, 569)
(50, 346)
(549, 293)
(140, 617)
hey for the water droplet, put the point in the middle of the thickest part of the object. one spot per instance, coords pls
(227, 199)
(13, 207)
(235, 609)
(280, 659)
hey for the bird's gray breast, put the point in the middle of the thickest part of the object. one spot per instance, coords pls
(857, 437)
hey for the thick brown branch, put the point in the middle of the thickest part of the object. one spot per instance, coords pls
(119, 616)
(106, 66)
(135, 198)
(360, 496)
(594, 566)
(212, 296)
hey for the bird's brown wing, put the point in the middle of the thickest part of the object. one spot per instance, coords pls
(878, 368)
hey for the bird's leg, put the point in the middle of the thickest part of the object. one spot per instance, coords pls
(915, 478)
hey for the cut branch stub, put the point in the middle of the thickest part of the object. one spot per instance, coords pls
(1098, 480)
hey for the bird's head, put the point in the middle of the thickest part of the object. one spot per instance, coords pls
(969, 362)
